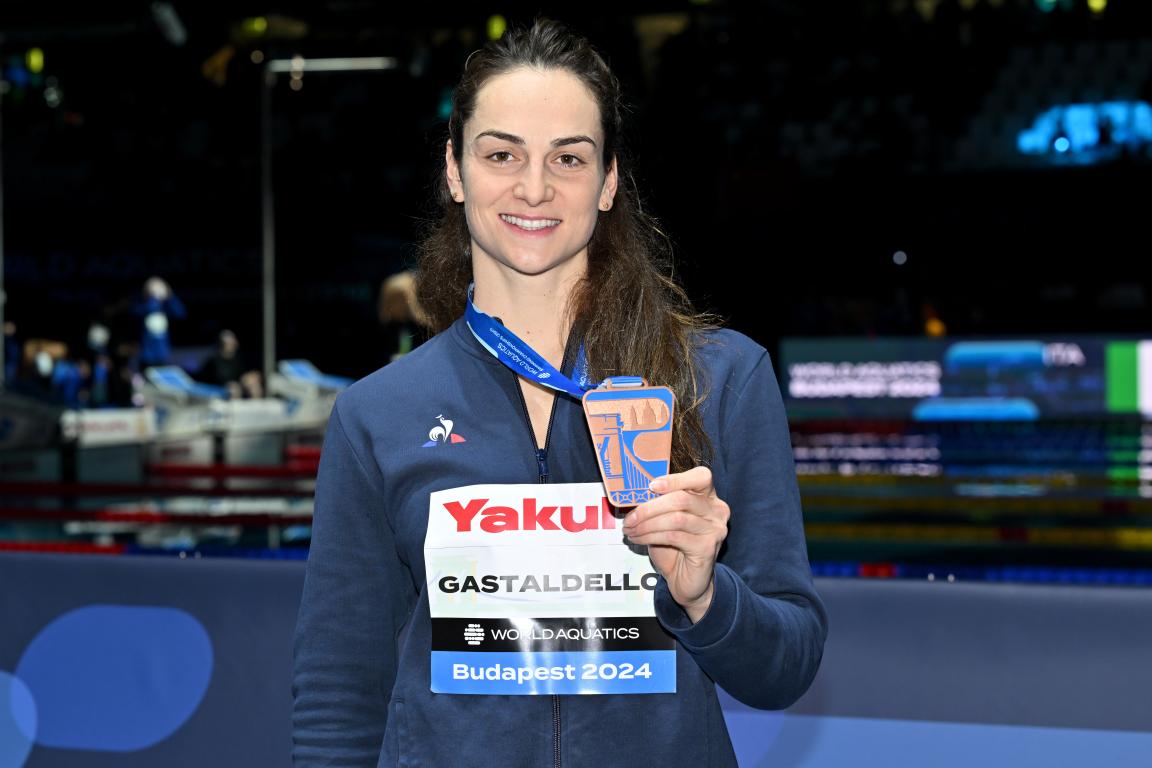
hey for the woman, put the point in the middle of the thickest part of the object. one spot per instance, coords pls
(540, 219)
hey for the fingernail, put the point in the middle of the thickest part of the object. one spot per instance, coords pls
(658, 485)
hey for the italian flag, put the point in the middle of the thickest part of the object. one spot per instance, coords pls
(1129, 379)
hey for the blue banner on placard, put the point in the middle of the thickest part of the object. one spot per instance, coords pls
(566, 672)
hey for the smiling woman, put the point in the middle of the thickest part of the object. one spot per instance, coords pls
(531, 180)
(536, 116)
(543, 263)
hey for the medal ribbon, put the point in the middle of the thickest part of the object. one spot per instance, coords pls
(518, 355)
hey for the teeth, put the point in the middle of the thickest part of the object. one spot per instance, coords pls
(530, 223)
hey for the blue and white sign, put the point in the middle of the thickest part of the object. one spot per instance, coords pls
(534, 590)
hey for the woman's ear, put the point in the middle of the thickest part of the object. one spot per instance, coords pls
(608, 191)
(452, 173)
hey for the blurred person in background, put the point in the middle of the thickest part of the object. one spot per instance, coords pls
(99, 366)
(402, 323)
(541, 241)
(37, 375)
(125, 382)
(157, 308)
(226, 367)
(70, 382)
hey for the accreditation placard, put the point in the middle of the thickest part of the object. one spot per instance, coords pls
(533, 589)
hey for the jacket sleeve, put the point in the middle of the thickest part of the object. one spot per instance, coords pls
(357, 596)
(762, 637)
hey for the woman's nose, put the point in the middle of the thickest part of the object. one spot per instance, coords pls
(534, 187)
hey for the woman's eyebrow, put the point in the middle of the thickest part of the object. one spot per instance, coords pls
(572, 140)
(510, 138)
(514, 139)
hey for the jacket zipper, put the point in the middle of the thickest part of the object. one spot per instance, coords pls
(556, 731)
(543, 476)
(541, 454)
(542, 470)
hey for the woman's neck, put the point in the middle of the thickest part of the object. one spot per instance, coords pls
(534, 307)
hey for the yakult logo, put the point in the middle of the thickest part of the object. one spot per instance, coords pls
(530, 517)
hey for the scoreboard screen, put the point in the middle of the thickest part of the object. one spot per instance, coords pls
(929, 379)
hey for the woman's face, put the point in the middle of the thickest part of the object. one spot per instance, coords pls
(531, 176)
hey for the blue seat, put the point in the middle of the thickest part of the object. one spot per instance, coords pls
(304, 371)
(174, 380)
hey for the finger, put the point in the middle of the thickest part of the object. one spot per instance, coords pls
(713, 510)
(693, 546)
(678, 540)
(696, 480)
(676, 501)
(673, 521)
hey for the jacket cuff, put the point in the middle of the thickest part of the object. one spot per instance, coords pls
(714, 625)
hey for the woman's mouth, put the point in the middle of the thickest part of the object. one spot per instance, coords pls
(531, 225)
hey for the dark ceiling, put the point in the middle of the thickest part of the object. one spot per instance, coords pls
(151, 162)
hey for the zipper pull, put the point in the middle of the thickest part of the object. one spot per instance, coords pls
(542, 463)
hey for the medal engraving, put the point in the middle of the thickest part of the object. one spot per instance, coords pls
(631, 426)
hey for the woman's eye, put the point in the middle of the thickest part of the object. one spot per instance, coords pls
(500, 157)
(571, 161)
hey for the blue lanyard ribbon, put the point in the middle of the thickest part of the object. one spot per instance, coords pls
(509, 349)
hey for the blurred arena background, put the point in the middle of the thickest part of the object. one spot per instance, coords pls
(933, 213)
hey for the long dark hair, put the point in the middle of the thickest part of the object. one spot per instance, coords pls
(632, 316)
